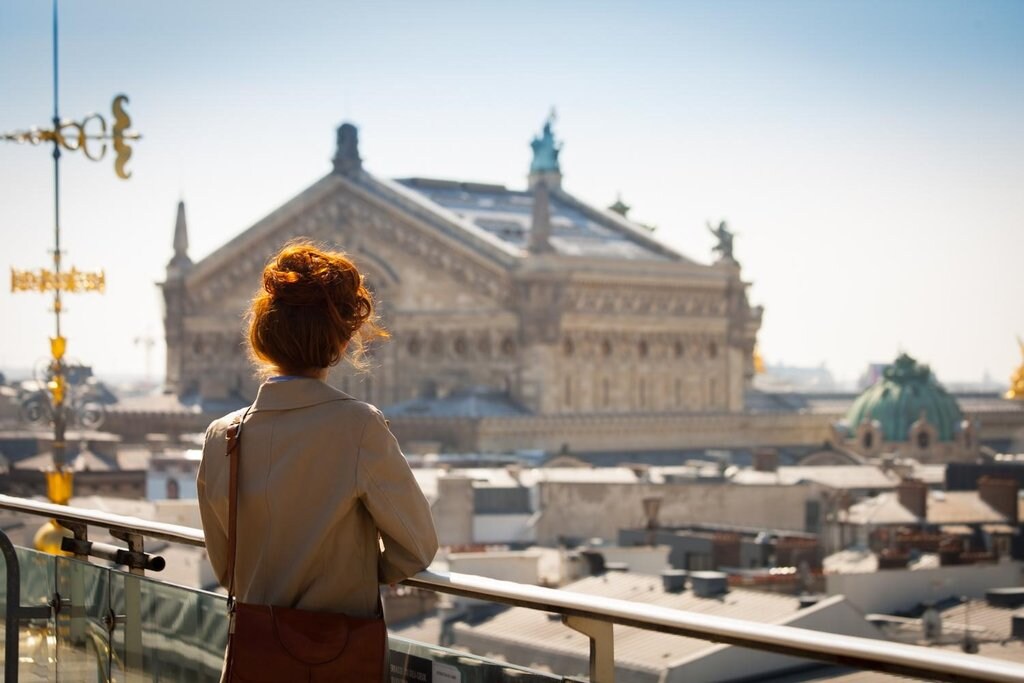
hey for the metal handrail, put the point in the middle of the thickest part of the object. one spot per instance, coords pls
(863, 653)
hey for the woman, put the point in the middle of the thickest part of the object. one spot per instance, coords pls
(322, 483)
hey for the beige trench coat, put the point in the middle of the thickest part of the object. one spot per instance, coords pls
(320, 475)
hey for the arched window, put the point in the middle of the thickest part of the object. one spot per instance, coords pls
(568, 347)
(606, 348)
(680, 349)
(173, 489)
(642, 349)
(712, 350)
(414, 346)
(923, 439)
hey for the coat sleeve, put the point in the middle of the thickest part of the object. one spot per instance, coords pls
(211, 489)
(396, 503)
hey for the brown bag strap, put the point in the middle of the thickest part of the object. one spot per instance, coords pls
(234, 436)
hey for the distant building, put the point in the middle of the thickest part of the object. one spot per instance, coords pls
(906, 412)
(961, 527)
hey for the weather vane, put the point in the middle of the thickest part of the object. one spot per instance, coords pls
(90, 136)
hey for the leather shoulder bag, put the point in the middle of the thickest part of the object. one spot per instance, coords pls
(268, 643)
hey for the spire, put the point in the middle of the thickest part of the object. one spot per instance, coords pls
(180, 262)
(346, 156)
(545, 164)
(540, 227)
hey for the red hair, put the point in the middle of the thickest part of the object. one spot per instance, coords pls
(312, 311)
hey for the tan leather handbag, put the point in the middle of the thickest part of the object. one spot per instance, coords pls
(267, 643)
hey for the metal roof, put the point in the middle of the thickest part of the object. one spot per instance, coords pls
(466, 403)
(943, 507)
(833, 476)
(634, 648)
(507, 215)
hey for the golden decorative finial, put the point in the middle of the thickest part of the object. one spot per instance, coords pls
(758, 361)
(1016, 390)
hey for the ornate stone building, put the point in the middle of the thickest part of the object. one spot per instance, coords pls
(560, 307)
(528, 303)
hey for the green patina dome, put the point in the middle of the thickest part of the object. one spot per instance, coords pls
(897, 400)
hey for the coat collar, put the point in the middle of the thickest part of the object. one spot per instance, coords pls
(296, 393)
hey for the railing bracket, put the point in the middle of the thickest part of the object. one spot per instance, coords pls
(602, 646)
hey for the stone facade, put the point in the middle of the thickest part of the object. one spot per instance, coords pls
(558, 330)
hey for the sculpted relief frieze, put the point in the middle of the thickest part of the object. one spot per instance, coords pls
(429, 250)
(623, 345)
(654, 302)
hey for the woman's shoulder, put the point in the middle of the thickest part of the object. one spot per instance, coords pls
(219, 427)
(360, 410)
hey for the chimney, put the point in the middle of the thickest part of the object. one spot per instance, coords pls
(1001, 495)
(913, 495)
(540, 228)
(652, 506)
(766, 460)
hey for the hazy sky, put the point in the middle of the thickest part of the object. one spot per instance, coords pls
(870, 155)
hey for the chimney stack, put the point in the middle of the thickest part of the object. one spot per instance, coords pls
(1001, 495)
(766, 460)
(913, 495)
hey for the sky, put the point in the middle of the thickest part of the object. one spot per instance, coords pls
(868, 155)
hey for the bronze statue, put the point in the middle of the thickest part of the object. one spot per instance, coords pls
(724, 235)
(545, 149)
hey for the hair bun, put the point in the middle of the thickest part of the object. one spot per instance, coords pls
(312, 310)
(304, 278)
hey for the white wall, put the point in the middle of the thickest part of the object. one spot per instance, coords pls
(503, 529)
(892, 590)
(519, 566)
(649, 560)
(156, 483)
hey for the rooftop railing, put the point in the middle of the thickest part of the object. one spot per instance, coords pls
(590, 615)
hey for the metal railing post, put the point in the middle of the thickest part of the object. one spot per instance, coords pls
(602, 646)
(133, 656)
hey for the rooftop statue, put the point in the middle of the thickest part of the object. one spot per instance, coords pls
(545, 150)
(724, 235)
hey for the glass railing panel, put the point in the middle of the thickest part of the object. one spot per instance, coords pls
(182, 631)
(415, 661)
(83, 621)
(36, 637)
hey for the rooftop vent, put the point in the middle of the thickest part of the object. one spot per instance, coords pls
(1005, 597)
(674, 580)
(1017, 624)
(709, 584)
(811, 599)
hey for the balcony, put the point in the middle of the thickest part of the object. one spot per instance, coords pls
(69, 619)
